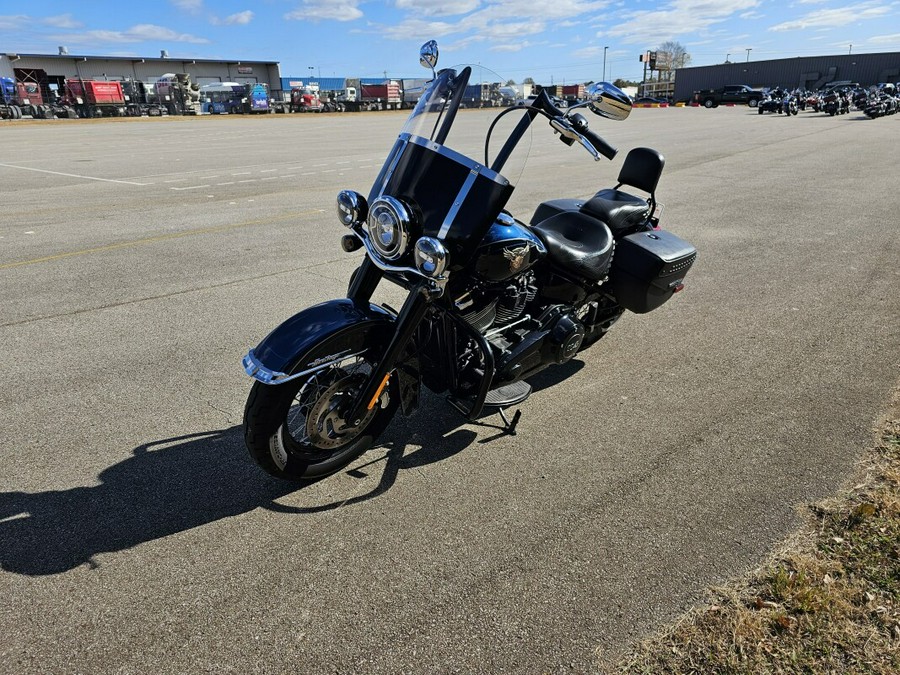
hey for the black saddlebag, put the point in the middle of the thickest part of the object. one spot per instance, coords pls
(648, 267)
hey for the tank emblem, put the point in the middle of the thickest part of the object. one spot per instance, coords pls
(516, 257)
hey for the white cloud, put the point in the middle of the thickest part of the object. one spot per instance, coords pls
(62, 21)
(239, 19)
(12, 20)
(333, 10)
(515, 47)
(680, 17)
(505, 23)
(438, 7)
(839, 16)
(885, 39)
(144, 32)
(192, 6)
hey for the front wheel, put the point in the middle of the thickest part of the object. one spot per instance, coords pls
(295, 430)
(709, 103)
(753, 102)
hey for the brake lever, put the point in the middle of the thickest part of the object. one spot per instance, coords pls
(570, 136)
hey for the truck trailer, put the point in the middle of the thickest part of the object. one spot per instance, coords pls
(95, 98)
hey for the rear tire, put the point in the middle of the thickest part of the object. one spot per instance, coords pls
(292, 430)
(709, 104)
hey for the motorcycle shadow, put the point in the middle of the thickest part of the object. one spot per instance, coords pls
(163, 488)
(176, 484)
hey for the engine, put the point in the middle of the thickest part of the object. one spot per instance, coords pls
(494, 305)
(523, 334)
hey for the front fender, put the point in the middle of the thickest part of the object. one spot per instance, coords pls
(281, 352)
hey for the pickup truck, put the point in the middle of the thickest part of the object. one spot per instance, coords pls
(730, 93)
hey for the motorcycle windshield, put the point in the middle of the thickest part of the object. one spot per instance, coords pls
(453, 197)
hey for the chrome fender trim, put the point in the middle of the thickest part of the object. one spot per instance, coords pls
(255, 368)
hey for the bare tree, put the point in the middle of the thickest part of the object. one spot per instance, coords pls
(671, 55)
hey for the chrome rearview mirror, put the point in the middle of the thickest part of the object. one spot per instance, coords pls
(608, 101)
(428, 55)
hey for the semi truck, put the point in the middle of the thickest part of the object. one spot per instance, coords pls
(306, 99)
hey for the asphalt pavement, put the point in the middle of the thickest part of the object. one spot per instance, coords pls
(140, 259)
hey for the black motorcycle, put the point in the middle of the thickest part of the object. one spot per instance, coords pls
(771, 102)
(490, 300)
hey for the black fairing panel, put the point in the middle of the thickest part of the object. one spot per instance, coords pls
(445, 188)
(282, 349)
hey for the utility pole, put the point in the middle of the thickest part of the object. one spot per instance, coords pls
(604, 63)
(643, 90)
(749, 49)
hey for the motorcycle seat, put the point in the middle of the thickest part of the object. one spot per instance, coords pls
(619, 210)
(578, 243)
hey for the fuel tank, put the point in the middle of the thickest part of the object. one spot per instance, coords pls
(509, 248)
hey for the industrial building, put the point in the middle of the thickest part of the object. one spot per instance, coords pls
(51, 70)
(804, 72)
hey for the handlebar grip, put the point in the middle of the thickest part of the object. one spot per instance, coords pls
(599, 144)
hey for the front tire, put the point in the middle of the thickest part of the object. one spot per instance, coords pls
(293, 430)
(753, 102)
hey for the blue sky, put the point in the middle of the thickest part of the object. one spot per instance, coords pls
(558, 40)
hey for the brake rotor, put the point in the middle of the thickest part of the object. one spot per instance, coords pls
(324, 424)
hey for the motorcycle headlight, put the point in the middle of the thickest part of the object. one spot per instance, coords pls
(352, 208)
(389, 222)
(431, 257)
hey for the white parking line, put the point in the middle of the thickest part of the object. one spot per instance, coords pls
(175, 180)
(268, 170)
(242, 173)
(192, 187)
(229, 183)
(74, 175)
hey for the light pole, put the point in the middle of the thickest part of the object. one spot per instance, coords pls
(726, 57)
(312, 71)
(749, 49)
(604, 63)
(851, 50)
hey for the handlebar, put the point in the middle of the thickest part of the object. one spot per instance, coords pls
(571, 130)
(574, 129)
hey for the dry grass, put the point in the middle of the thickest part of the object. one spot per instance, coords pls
(829, 604)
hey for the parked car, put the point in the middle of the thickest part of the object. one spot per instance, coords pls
(649, 99)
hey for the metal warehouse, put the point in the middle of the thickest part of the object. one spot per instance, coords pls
(805, 72)
(51, 70)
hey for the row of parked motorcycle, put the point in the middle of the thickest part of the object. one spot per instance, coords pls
(873, 102)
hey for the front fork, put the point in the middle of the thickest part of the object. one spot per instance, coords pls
(421, 295)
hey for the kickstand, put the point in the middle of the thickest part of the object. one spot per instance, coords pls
(510, 427)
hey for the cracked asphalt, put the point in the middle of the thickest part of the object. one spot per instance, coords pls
(139, 260)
